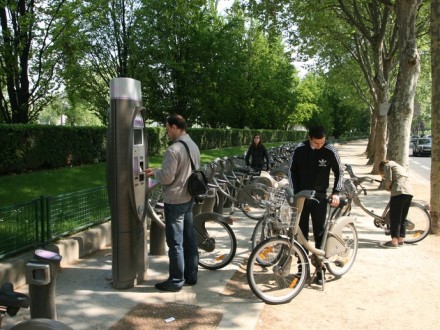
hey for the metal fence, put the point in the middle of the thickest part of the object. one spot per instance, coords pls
(41, 221)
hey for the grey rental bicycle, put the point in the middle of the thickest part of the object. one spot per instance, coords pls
(216, 240)
(418, 220)
(278, 268)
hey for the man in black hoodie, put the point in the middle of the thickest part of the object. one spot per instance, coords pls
(310, 167)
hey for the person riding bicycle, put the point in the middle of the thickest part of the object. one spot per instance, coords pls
(396, 181)
(310, 167)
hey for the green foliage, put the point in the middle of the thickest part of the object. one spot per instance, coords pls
(30, 147)
(29, 58)
(36, 147)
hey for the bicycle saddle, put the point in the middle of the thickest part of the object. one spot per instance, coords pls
(10, 298)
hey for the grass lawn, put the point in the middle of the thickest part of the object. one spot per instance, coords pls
(15, 189)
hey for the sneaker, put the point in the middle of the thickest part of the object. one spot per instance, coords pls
(168, 286)
(389, 244)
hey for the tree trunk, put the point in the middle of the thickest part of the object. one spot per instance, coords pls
(402, 106)
(371, 138)
(435, 116)
(381, 87)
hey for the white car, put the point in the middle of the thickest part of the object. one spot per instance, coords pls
(422, 146)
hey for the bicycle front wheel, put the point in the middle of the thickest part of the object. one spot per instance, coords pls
(341, 262)
(418, 223)
(284, 274)
(217, 245)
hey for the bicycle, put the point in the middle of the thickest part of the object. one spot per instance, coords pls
(418, 222)
(237, 190)
(216, 240)
(271, 225)
(10, 304)
(279, 267)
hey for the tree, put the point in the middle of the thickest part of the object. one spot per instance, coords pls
(99, 46)
(435, 115)
(29, 60)
(402, 105)
(361, 29)
(371, 32)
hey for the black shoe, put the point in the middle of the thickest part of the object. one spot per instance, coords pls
(168, 286)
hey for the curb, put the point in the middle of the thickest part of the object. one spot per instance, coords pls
(73, 248)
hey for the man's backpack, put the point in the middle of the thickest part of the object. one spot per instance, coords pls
(197, 183)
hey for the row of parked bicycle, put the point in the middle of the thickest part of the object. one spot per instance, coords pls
(279, 265)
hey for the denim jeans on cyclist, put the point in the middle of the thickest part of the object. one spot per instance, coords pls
(182, 246)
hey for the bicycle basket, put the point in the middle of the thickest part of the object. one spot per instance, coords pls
(288, 216)
(277, 196)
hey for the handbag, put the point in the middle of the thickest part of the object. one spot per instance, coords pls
(197, 183)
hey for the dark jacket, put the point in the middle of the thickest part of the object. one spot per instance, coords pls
(310, 168)
(257, 157)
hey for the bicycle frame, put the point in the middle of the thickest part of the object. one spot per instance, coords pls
(357, 201)
(332, 243)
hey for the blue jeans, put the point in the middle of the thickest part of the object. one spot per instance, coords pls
(182, 244)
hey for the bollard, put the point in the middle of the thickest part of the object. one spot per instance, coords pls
(157, 240)
(41, 273)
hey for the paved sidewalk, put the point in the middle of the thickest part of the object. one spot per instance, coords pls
(386, 289)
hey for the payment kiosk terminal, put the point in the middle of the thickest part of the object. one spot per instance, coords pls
(127, 183)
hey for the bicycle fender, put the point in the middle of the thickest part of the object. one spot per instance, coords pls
(334, 245)
(342, 221)
(299, 246)
(201, 218)
(203, 239)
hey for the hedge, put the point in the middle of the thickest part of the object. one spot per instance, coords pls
(32, 147)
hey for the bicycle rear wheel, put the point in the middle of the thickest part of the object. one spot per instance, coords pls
(217, 246)
(340, 263)
(284, 274)
(252, 211)
(418, 223)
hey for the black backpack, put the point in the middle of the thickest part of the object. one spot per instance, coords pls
(197, 183)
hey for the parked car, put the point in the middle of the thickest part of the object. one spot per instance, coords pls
(422, 146)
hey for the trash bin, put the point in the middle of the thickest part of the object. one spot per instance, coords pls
(41, 273)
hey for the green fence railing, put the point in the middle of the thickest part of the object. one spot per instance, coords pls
(41, 221)
(20, 228)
